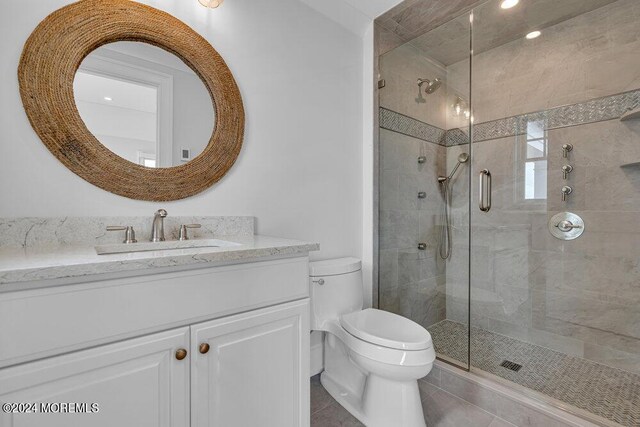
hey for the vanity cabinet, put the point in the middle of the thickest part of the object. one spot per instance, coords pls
(252, 369)
(138, 382)
(254, 372)
(245, 329)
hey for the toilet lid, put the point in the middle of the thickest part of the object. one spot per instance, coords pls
(386, 329)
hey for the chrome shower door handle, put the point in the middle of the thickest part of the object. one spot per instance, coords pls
(485, 190)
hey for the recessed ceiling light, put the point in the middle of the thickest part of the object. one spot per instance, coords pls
(107, 98)
(533, 35)
(508, 4)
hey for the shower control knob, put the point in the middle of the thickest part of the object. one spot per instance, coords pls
(566, 225)
(565, 150)
(422, 246)
(566, 170)
(422, 159)
(422, 195)
(566, 190)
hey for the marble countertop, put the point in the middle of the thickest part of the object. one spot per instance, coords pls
(73, 262)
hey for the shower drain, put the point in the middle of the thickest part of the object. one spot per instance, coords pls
(511, 365)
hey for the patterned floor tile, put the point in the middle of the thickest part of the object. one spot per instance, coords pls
(608, 392)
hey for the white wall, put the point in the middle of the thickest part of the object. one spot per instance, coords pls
(300, 170)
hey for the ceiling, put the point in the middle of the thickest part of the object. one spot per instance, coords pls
(372, 8)
(493, 26)
(113, 92)
(413, 18)
(354, 15)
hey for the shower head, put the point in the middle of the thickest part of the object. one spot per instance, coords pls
(432, 85)
(463, 158)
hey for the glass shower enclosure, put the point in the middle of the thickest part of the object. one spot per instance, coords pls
(509, 196)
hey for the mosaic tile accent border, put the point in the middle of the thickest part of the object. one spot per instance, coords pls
(592, 111)
(608, 392)
(406, 125)
(456, 137)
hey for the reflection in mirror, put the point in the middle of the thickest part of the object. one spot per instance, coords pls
(144, 104)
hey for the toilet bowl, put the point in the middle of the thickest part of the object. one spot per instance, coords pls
(372, 358)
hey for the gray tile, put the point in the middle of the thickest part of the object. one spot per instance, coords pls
(434, 376)
(412, 18)
(602, 390)
(591, 111)
(389, 190)
(423, 301)
(334, 415)
(426, 389)
(406, 125)
(499, 422)
(389, 268)
(523, 416)
(320, 398)
(469, 391)
(442, 409)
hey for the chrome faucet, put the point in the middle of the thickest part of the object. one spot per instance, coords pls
(157, 229)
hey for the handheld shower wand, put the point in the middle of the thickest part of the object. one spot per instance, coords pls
(444, 243)
(462, 158)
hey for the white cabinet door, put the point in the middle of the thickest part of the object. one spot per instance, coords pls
(256, 370)
(138, 382)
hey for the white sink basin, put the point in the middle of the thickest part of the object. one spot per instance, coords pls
(122, 248)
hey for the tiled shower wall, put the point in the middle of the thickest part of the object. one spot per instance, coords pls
(581, 297)
(412, 282)
(590, 56)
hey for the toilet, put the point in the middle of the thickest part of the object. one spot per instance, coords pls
(372, 358)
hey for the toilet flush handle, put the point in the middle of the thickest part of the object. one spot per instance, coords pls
(319, 282)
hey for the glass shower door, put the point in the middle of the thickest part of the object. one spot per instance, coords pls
(554, 261)
(424, 185)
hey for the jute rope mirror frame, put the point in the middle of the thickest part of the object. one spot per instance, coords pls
(48, 65)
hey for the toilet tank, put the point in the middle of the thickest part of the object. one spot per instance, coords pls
(336, 289)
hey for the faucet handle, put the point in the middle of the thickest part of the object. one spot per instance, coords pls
(129, 235)
(183, 230)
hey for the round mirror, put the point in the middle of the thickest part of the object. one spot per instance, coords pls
(144, 104)
(102, 89)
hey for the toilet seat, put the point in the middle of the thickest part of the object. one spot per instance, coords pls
(386, 329)
(387, 355)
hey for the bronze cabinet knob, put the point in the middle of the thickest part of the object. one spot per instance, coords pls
(204, 348)
(181, 353)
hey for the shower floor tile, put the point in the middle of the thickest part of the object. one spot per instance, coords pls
(608, 392)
